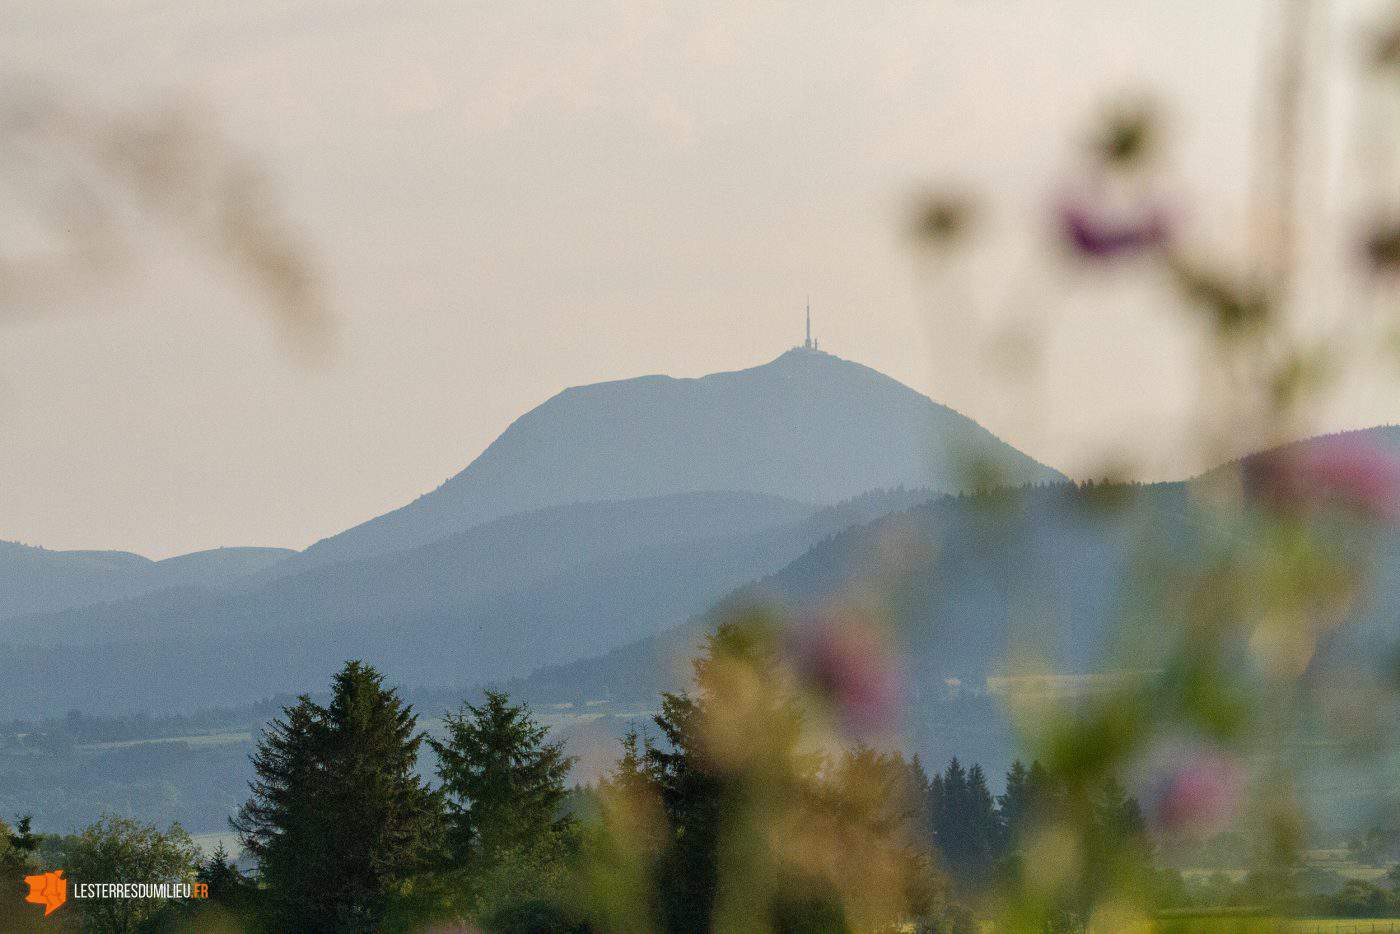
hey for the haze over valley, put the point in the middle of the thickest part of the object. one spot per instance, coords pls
(579, 561)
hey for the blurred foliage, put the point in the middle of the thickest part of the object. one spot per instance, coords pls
(774, 795)
(94, 179)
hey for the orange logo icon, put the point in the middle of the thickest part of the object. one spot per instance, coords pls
(49, 890)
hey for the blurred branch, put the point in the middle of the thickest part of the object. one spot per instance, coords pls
(90, 180)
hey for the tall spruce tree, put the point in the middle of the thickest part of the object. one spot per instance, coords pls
(985, 824)
(919, 792)
(1014, 806)
(507, 830)
(339, 820)
(229, 888)
(950, 814)
(966, 824)
(933, 809)
(724, 747)
(693, 797)
(1118, 815)
(1044, 794)
(503, 782)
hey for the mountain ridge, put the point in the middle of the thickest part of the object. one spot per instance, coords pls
(34, 579)
(549, 585)
(1069, 544)
(807, 426)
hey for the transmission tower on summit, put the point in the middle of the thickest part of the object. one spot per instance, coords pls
(809, 344)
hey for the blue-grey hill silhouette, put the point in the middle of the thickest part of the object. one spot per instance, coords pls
(513, 564)
(39, 580)
(807, 426)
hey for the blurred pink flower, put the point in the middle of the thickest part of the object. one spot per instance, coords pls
(1343, 471)
(1196, 794)
(850, 665)
(1095, 232)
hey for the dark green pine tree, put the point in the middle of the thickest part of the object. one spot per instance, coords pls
(1118, 814)
(503, 783)
(281, 823)
(629, 777)
(966, 826)
(339, 821)
(950, 824)
(933, 810)
(229, 888)
(919, 792)
(1044, 795)
(24, 838)
(693, 797)
(878, 790)
(984, 825)
(1014, 807)
(699, 795)
(1115, 850)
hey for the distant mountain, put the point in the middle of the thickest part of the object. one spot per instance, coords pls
(37, 580)
(602, 515)
(961, 576)
(980, 576)
(491, 602)
(807, 426)
(1381, 437)
(970, 582)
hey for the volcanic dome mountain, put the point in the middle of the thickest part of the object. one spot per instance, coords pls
(807, 426)
(608, 513)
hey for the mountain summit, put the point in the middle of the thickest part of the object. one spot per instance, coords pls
(807, 426)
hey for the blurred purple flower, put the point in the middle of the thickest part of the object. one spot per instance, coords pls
(1197, 794)
(1094, 233)
(849, 664)
(1342, 471)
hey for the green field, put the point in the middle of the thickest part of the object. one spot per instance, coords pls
(1345, 925)
(195, 739)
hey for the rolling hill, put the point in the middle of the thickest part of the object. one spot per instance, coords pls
(491, 602)
(37, 580)
(1052, 567)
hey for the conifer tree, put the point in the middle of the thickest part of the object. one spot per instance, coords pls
(918, 795)
(1043, 793)
(933, 809)
(1014, 809)
(950, 818)
(720, 745)
(966, 826)
(984, 827)
(693, 798)
(338, 820)
(228, 892)
(1119, 815)
(503, 783)
(507, 831)
(629, 776)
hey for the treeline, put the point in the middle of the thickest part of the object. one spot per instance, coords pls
(1316, 893)
(723, 816)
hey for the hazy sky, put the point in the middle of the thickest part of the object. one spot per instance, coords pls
(510, 198)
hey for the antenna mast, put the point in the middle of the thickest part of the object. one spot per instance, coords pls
(808, 343)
